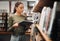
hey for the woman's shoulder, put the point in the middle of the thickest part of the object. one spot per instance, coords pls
(24, 16)
(11, 15)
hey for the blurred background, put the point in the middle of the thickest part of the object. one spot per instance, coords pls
(36, 6)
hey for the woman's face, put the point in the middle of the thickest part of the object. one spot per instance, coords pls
(20, 8)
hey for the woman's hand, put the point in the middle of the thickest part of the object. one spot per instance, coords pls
(15, 25)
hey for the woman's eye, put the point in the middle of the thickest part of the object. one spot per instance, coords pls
(21, 7)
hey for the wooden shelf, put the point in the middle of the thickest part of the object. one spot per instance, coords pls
(3, 21)
(5, 32)
(42, 3)
(11, 32)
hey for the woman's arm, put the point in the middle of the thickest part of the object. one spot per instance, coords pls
(10, 23)
(43, 34)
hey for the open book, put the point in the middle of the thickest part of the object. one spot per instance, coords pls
(23, 24)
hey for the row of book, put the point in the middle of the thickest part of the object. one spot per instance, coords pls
(47, 18)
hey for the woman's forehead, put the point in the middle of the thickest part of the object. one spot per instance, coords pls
(21, 5)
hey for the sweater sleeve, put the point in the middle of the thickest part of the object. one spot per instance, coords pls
(10, 23)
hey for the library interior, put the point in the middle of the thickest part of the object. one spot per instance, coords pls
(29, 20)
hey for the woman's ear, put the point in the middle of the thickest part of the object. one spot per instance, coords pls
(16, 8)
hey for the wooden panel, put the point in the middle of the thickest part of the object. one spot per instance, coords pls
(43, 3)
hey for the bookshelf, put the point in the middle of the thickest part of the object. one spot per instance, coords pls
(39, 7)
(3, 21)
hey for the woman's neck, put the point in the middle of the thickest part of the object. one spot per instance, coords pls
(18, 13)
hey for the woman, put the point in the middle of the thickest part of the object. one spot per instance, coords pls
(14, 20)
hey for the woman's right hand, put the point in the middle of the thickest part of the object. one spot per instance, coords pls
(15, 25)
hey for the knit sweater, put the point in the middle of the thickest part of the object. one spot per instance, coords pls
(16, 19)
